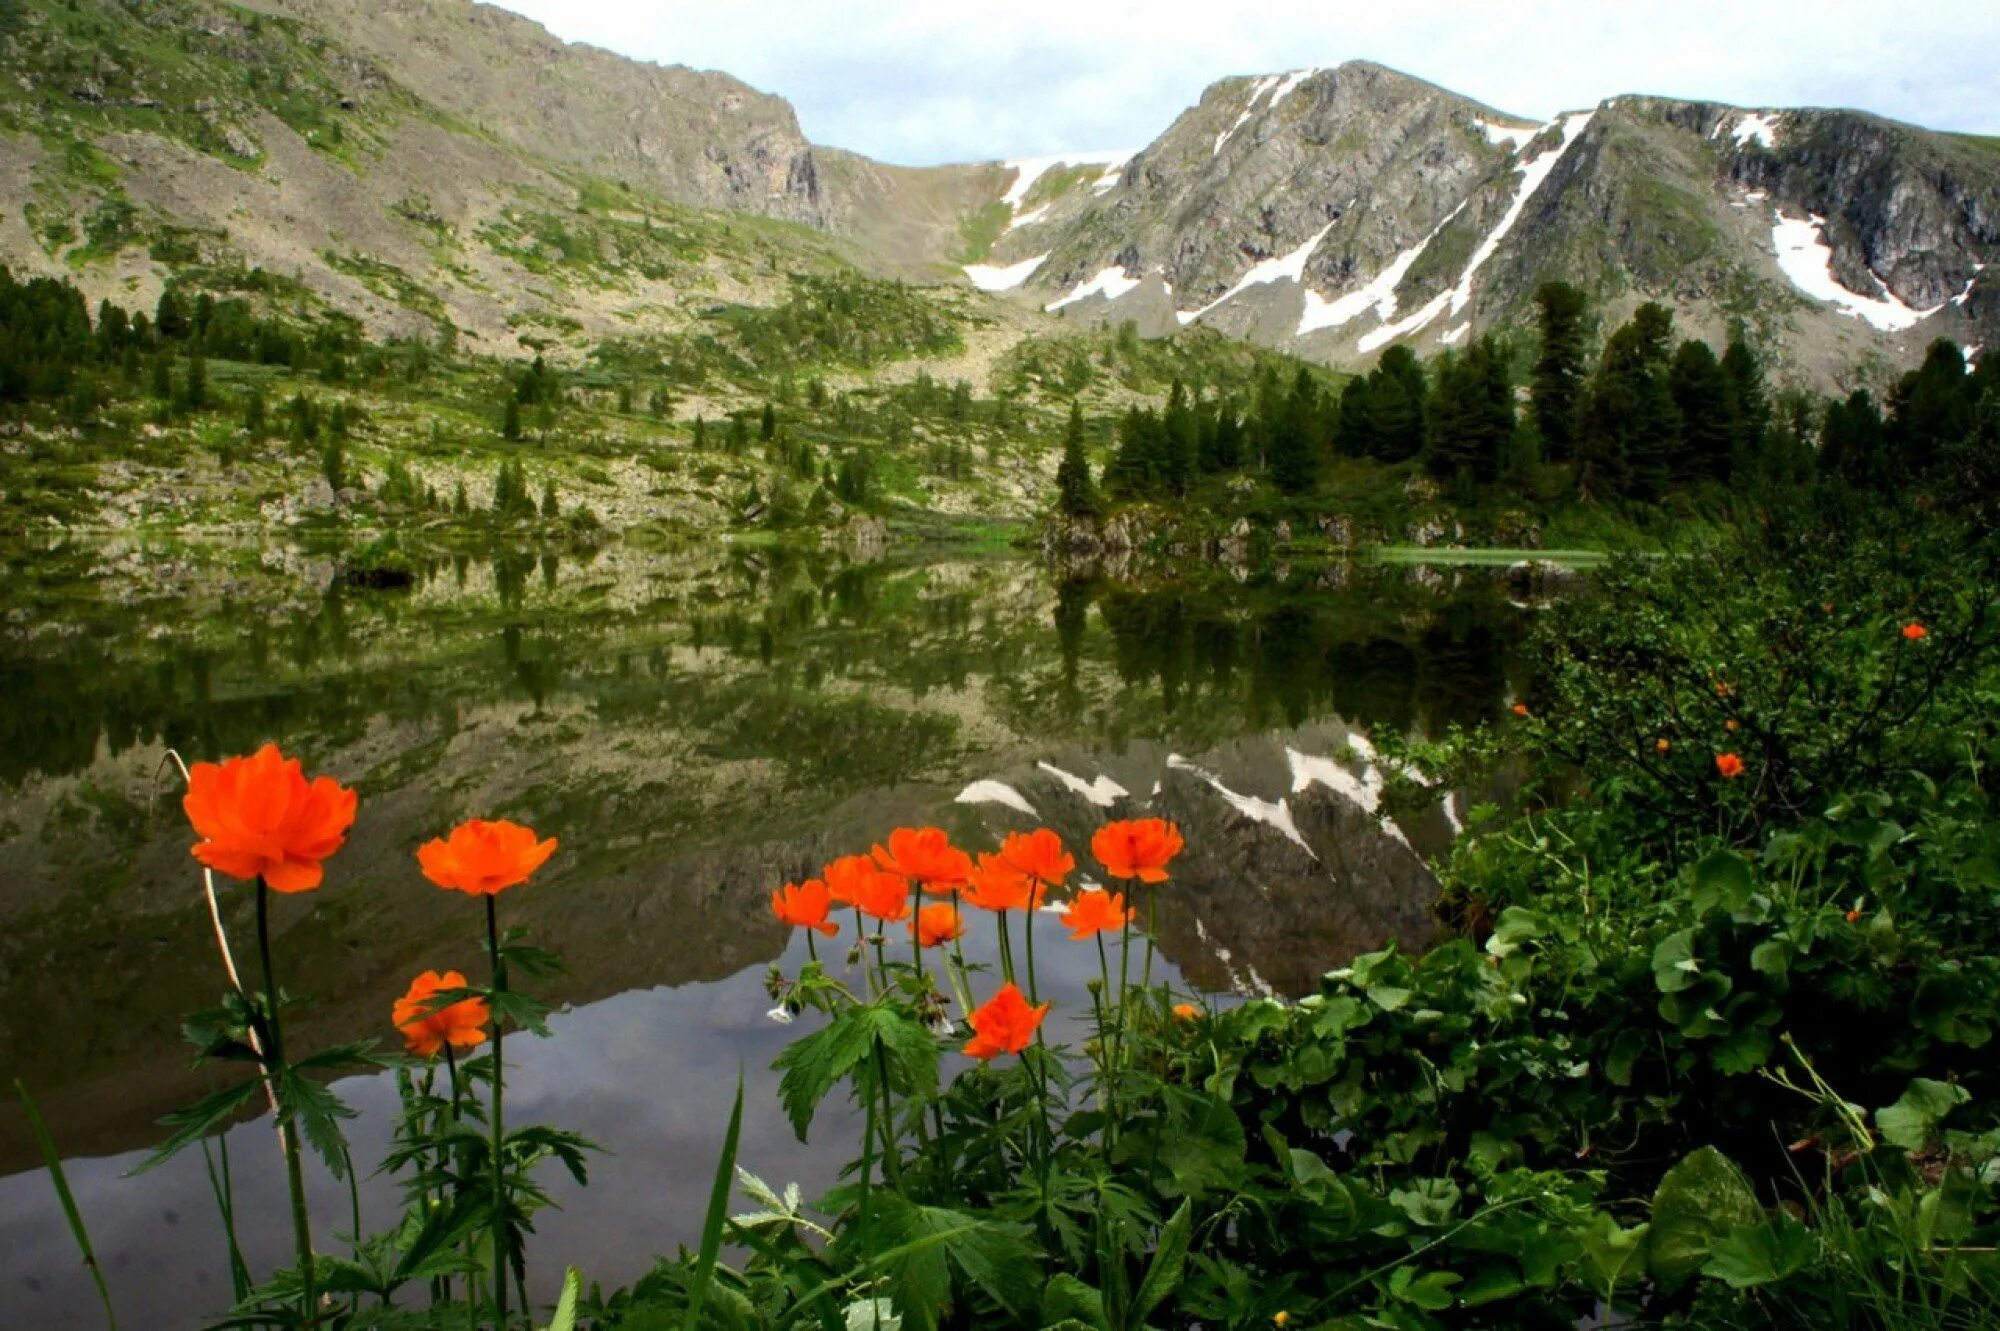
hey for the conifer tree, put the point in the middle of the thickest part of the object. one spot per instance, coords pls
(510, 420)
(1746, 399)
(767, 426)
(1557, 379)
(1294, 449)
(1701, 395)
(1076, 496)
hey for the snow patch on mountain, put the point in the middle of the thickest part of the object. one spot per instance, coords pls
(1027, 170)
(1292, 80)
(1379, 294)
(1807, 261)
(1257, 91)
(988, 277)
(1520, 136)
(1283, 267)
(1755, 127)
(1110, 283)
(1101, 790)
(1532, 173)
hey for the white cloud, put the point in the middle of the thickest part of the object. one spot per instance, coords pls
(915, 81)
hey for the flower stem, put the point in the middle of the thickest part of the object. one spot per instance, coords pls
(287, 1129)
(500, 1244)
(1152, 925)
(1028, 928)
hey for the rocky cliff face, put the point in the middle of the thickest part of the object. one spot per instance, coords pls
(693, 136)
(1335, 211)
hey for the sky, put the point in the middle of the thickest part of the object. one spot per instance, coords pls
(927, 81)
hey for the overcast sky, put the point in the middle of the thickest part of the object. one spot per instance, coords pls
(925, 81)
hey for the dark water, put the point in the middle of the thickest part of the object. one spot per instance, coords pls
(695, 726)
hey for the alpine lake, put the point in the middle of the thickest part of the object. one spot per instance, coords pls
(696, 725)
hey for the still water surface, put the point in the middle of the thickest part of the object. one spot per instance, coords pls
(695, 726)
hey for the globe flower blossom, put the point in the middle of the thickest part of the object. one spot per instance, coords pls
(482, 858)
(1137, 848)
(1006, 1025)
(937, 924)
(1661, 745)
(1096, 912)
(881, 896)
(1915, 632)
(1520, 709)
(926, 856)
(1186, 1012)
(846, 876)
(425, 1032)
(1729, 765)
(1038, 854)
(998, 885)
(1731, 724)
(804, 906)
(258, 817)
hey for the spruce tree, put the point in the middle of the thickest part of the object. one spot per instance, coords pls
(510, 420)
(767, 426)
(1076, 496)
(550, 508)
(1180, 441)
(1747, 400)
(1557, 379)
(1701, 396)
(1294, 450)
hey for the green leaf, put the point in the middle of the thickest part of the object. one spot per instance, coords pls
(718, 1211)
(52, 1159)
(1430, 1291)
(1674, 964)
(1700, 1199)
(871, 1315)
(197, 1121)
(317, 1111)
(919, 1247)
(1490, 1283)
(1914, 1118)
(1760, 1254)
(1614, 1256)
(1163, 1277)
(1773, 956)
(1723, 879)
(1068, 1301)
(572, 1289)
(814, 1065)
(1517, 925)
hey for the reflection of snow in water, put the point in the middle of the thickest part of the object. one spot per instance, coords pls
(1277, 815)
(1103, 792)
(996, 792)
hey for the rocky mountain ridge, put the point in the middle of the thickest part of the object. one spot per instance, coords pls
(1334, 211)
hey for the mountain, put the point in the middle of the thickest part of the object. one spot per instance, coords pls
(428, 167)
(1333, 211)
(445, 169)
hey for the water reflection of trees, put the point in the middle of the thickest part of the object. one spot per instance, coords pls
(1208, 658)
(1388, 652)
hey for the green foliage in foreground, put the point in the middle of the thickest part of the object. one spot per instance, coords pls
(1709, 1050)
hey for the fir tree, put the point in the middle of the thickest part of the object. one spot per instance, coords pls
(1701, 395)
(699, 440)
(510, 420)
(1293, 458)
(1557, 379)
(1075, 495)
(767, 426)
(1746, 400)
(550, 508)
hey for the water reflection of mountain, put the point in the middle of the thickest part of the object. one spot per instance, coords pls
(695, 727)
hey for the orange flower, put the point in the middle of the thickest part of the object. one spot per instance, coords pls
(804, 905)
(260, 817)
(879, 895)
(1186, 1012)
(998, 885)
(937, 924)
(1826, 607)
(1730, 724)
(1723, 690)
(1096, 912)
(456, 1024)
(1660, 745)
(1915, 631)
(926, 855)
(1004, 1026)
(1038, 854)
(1729, 765)
(482, 858)
(1520, 709)
(846, 876)
(1854, 915)
(1137, 848)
